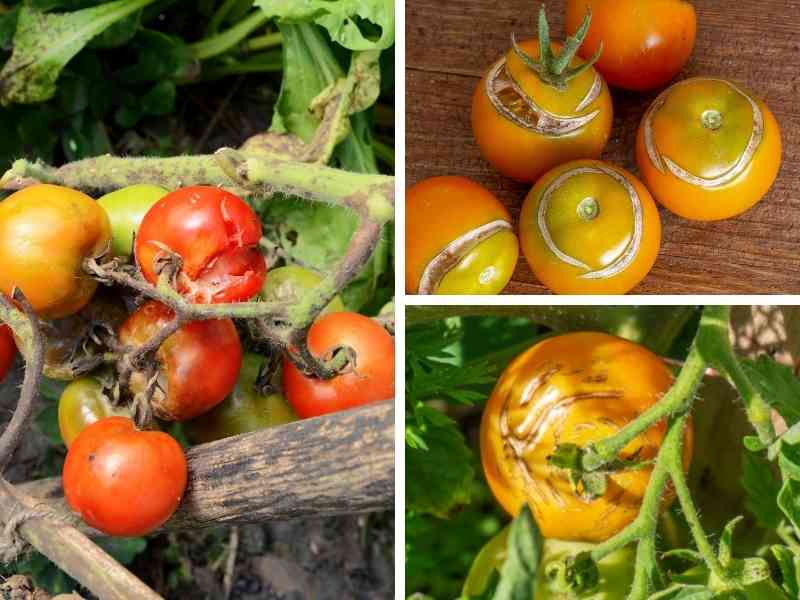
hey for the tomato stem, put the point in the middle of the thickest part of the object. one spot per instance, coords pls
(712, 119)
(222, 42)
(588, 209)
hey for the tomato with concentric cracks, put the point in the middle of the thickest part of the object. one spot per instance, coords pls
(645, 43)
(708, 149)
(530, 113)
(198, 365)
(459, 239)
(122, 481)
(7, 351)
(46, 234)
(215, 233)
(369, 377)
(126, 207)
(576, 388)
(83, 402)
(588, 227)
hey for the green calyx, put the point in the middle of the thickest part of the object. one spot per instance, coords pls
(554, 70)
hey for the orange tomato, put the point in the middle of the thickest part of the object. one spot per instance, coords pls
(645, 43)
(707, 149)
(575, 388)
(459, 239)
(588, 227)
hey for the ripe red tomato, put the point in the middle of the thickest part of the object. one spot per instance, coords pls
(122, 481)
(369, 379)
(645, 43)
(198, 364)
(7, 351)
(215, 233)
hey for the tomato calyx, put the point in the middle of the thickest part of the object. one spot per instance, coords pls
(577, 574)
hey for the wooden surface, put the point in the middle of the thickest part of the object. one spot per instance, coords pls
(754, 42)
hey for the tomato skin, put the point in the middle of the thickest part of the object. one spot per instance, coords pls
(679, 134)
(372, 381)
(46, 232)
(126, 207)
(244, 410)
(291, 282)
(645, 44)
(199, 363)
(82, 403)
(524, 154)
(440, 210)
(7, 351)
(216, 234)
(577, 388)
(599, 244)
(122, 481)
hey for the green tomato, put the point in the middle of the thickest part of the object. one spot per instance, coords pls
(288, 284)
(616, 570)
(82, 403)
(243, 411)
(126, 207)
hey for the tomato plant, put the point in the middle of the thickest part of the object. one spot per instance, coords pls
(539, 106)
(574, 388)
(216, 235)
(122, 481)
(289, 283)
(588, 227)
(46, 232)
(126, 207)
(244, 410)
(83, 402)
(369, 376)
(708, 149)
(198, 365)
(645, 44)
(459, 239)
(7, 351)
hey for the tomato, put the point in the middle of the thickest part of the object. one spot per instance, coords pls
(46, 232)
(126, 208)
(198, 364)
(616, 570)
(588, 227)
(292, 282)
(244, 410)
(122, 481)
(369, 378)
(459, 239)
(528, 121)
(707, 149)
(645, 44)
(575, 388)
(83, 402)
(7, 351)
(215, 233)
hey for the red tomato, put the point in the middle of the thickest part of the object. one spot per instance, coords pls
(215, 233)
(122, 481)
(369, 379)
(7, 350)
(199, 364)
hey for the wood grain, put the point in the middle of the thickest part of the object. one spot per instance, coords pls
(753, 42)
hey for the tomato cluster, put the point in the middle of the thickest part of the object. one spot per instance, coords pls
(205, 242)
(707, 149)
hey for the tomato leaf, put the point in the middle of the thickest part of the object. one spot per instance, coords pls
(778, 385)
(789, 563)
(518, 573)
(789, 501)
(761, 489)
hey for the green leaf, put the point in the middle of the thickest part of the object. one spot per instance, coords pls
(761, 489)
(789, 501)
(46, 422)
(8, 24)
(119, 33)
(789, 460)
(158, 56)
(45, 43)
(125, 550)
(778, 385)
(518, 573)
(789, 563)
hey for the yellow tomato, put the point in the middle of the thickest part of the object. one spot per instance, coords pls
(708, 150)
(575, 388)
(588, 227)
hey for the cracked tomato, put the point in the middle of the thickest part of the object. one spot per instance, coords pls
(369, 376)
(46, 233)
(83, 402)
(588, 227)
(645, 43)
(197, 366)
(216, 235)
(122, 481)
(7, 351)
(574, 388)
(459, 239)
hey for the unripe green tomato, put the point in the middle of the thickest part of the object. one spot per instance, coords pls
(616, 570)
(292, 282)
(126, 207)
(82, 403)
(243, 411)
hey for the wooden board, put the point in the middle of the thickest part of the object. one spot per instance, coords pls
(449, 44)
